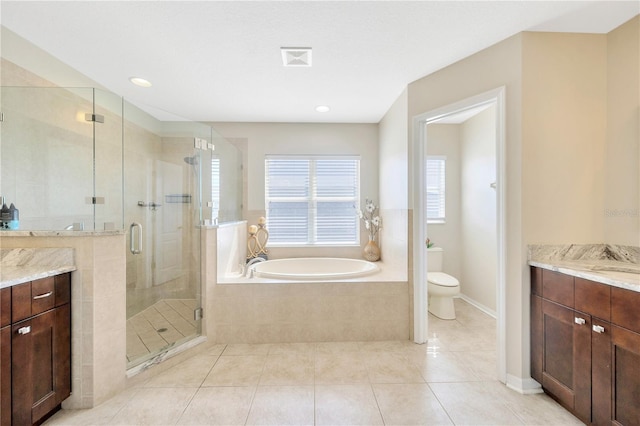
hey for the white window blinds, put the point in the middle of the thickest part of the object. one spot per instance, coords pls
(312, 200)
(435, 189)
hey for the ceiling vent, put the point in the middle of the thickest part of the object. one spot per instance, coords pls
(296, 56)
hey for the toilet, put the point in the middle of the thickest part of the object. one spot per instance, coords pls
(441, 287)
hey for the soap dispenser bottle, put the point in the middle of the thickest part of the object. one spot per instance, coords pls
(14, 222)
(5, 217)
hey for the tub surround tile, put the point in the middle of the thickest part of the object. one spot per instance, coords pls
(615, 265)
(310, 312)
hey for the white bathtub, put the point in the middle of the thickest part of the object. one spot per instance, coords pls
(314, 268)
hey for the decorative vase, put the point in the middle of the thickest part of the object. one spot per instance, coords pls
(372, 251)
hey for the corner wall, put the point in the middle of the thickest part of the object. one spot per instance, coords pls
(622, 181)
(393, 183)
(478, 242)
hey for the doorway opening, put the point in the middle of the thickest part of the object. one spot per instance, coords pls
(493, 207)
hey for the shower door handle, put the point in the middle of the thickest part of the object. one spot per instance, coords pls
(132, 246)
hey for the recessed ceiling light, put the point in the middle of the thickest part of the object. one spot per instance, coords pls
(138, 81)
(323, 108)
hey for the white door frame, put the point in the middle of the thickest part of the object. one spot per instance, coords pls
(420, 317)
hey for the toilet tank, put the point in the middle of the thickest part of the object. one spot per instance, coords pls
(434, 259)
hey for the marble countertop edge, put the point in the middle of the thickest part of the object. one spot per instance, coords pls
(14, 275)
(615, 278)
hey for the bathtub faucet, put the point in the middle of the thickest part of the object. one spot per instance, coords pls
(251, 263)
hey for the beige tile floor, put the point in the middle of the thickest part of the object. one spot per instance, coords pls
(450, 381)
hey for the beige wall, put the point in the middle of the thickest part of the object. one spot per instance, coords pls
(478, 242)
(304, 139)
(393, 175)
(563, 137)
(622, 175)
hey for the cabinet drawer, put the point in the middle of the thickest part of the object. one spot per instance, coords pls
(593, 298)
(5, 306)
(624, 308)
(557, 287)
(32, 298)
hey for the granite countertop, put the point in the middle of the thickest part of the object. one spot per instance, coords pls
(22, 265)
(12, 275)
(609, 264)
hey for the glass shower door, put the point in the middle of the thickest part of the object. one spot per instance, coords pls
(162, 215)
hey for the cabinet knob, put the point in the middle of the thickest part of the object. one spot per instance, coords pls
(580, 321)
(24, 330)
(598, 328)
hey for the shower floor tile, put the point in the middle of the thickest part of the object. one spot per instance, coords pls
(160, 325)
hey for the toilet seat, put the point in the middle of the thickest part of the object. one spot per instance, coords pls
(440, 278)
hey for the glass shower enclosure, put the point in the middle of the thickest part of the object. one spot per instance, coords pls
(82, 159)
(163, 201)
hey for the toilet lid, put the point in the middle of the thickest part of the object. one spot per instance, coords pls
(440, 278)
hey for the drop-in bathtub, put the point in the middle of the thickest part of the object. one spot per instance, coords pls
(314, 268)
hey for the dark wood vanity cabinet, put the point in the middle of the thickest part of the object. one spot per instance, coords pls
(5, 356)
(580, 353)
(36, 369)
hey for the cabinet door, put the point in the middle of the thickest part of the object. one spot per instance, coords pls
(37, 349)
(601, 352)
(626, 376)
(5, 376)
(566, 357)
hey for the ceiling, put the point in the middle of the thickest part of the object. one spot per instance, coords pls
(221, 60)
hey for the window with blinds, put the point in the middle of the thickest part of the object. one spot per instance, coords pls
(435, 189)
(312, 200)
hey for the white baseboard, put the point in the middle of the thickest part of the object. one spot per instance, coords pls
(492, 313)
(523, 386)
